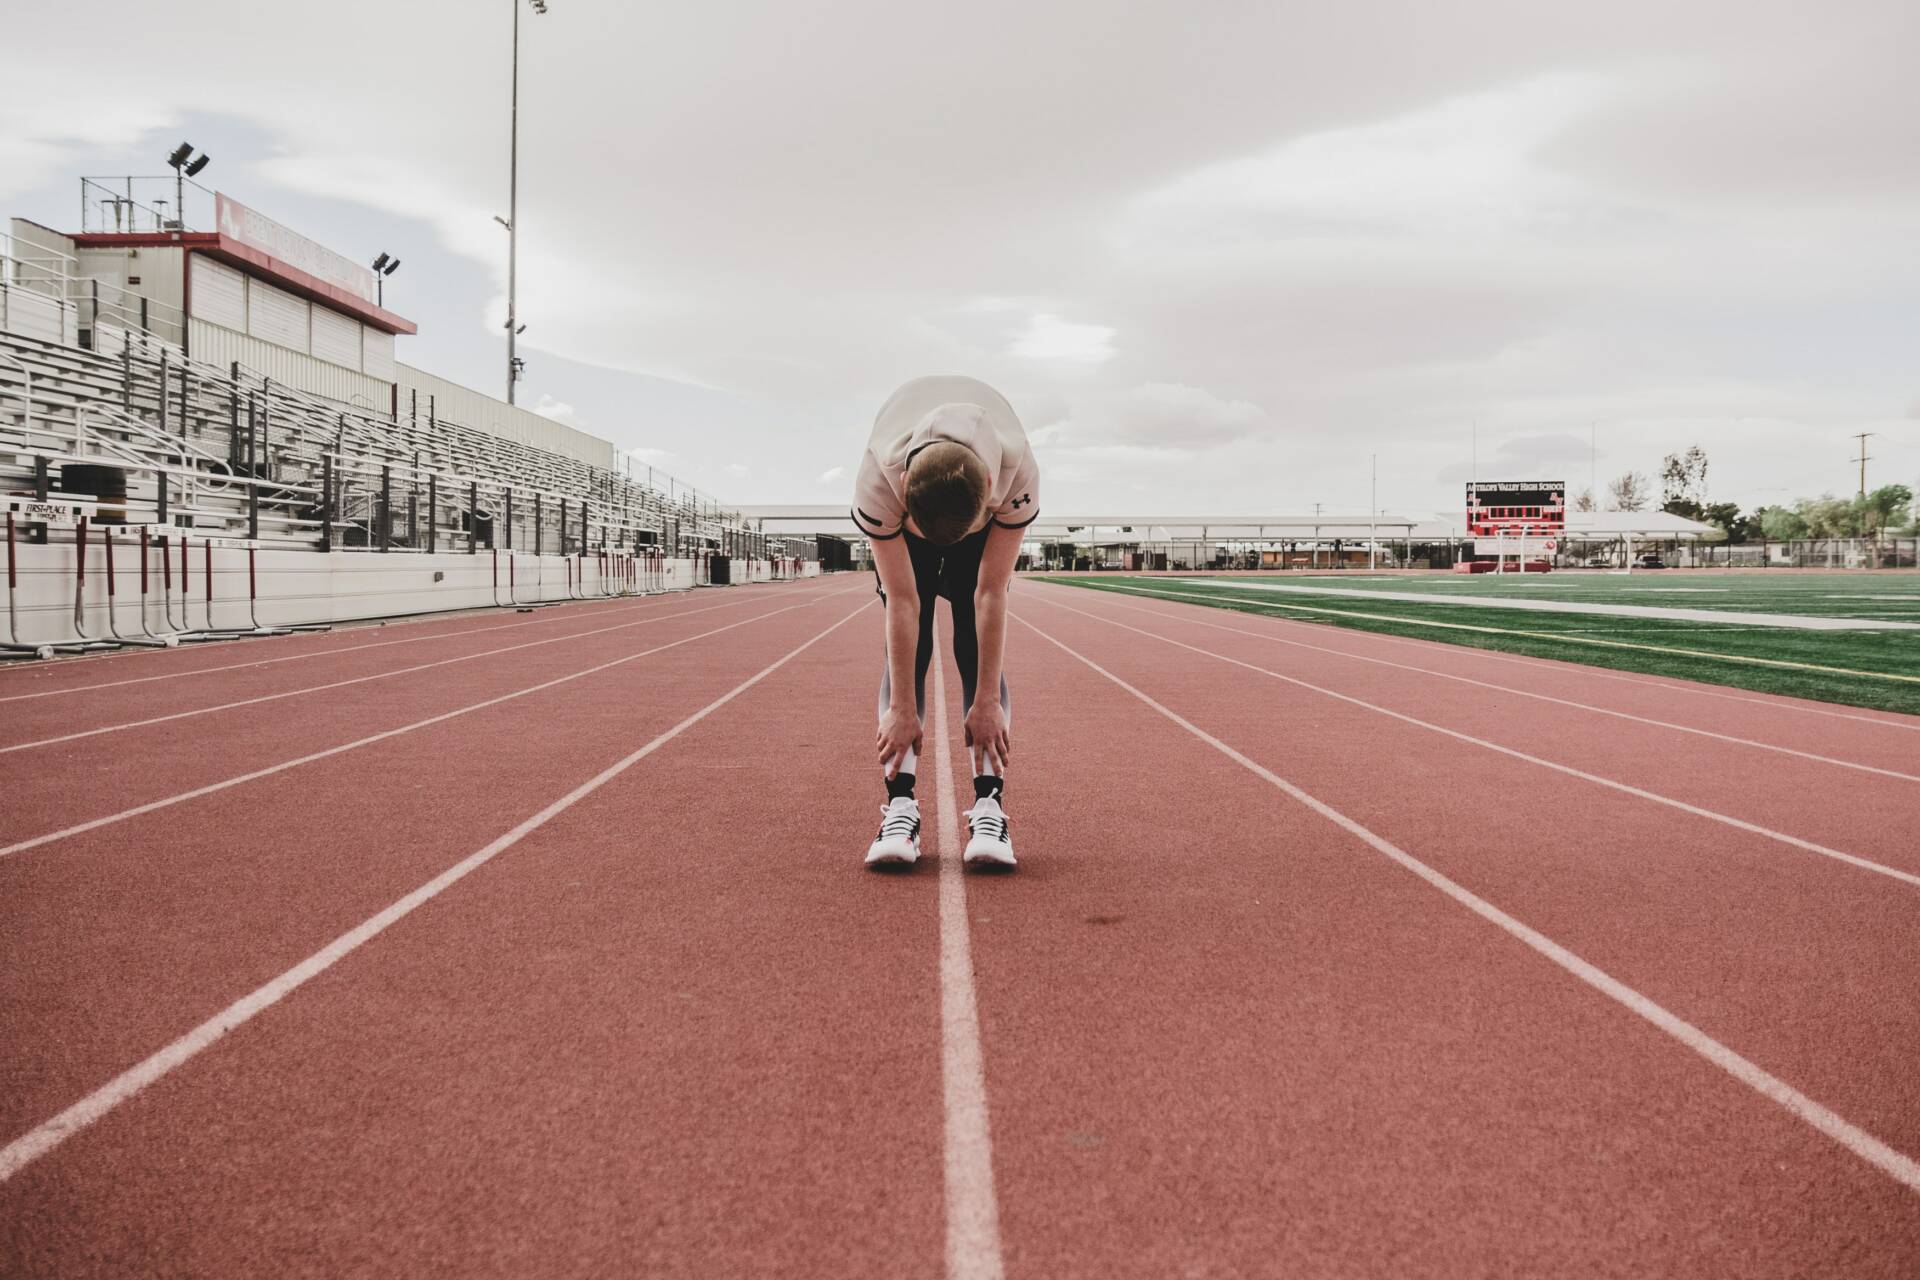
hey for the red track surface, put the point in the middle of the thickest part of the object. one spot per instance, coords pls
(674, 1029)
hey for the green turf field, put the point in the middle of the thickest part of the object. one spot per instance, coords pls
(1868, 668)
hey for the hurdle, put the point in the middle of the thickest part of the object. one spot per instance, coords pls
(253, 604)
(149, 640)
(209, 630)
(13, 646)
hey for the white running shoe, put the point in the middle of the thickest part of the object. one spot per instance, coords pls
(899, 838)
(991, 842)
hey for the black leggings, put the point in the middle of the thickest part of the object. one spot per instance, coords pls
(952, 572)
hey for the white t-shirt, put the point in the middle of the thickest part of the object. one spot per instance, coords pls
(966, 411)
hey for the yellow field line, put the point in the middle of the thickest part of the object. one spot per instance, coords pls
(1532, 635)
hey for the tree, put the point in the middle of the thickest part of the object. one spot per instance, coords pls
(1828, 517)
(1627, 492)
(1583, 501)
(1779, 524)
(1885, 508)
(1724, 516)
(1683, 482)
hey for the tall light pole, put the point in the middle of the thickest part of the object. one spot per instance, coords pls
(513, 199)
(1373, 513)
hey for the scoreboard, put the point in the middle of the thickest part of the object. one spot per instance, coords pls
(1505, 514)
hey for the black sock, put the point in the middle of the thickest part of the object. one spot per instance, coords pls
(900, 784)
(987, 787)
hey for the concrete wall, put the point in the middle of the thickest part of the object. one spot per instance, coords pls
(294, 586)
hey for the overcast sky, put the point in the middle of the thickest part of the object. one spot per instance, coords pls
(1215, 254)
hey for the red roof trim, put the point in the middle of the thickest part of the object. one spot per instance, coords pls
(252, 261)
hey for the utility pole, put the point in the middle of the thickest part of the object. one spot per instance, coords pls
(1865, 458)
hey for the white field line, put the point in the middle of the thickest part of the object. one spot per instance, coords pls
(1558, 667)
(973, 1214)
(377, 675)
(453, 634)
(34, 842)
(1591, 608)
(36, 1142)
(1540, 697)
(1897, 1165)
(1625, 788)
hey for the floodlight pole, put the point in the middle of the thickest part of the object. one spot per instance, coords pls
(1373, 513)
(513, 201)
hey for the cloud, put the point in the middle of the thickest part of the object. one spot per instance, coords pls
(1048, 337)
(832, 475)
(1682, 222)
(1463, 168)
(548, 407)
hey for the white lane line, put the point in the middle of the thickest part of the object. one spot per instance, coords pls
(377, 675)
(973, 1215)
(1895, 1164)
(454, 634)
(1559, 667)
(36, 1142)
(34, 842)
(1625, 788)
(1541, 697)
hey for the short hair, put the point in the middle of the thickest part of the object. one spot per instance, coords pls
(946, 491)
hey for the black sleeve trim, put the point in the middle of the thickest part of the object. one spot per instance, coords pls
(998, 523)
(860, 516)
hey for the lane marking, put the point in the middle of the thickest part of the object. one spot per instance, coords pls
(1895, 1164)
(378, 675)
(44, 1137)
(1573, 639)
(1542, 697)
(294, 657)
(1625, 788)
(165, 802)
(973, 1215)
(1558, 667)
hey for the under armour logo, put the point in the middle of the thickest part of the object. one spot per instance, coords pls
(1022, 501)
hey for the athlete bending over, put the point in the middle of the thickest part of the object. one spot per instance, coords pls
(945, 492)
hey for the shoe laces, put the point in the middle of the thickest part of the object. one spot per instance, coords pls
(899, 820)
(987, 818)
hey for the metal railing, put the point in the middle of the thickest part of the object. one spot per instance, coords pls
(136, 204)
(299, 470)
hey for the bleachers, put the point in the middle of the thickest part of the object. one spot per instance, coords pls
(229, 452)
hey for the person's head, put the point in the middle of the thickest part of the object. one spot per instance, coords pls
(947, 489)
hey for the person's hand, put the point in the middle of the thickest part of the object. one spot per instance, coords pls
(987, 733)
(899, 733)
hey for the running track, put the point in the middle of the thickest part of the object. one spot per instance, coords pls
(538, 944)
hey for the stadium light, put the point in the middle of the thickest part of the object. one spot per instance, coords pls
(512, 221)
(178, 161)
(383, 266)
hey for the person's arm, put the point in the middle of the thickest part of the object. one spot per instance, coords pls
(900, 722)
(987, 721)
